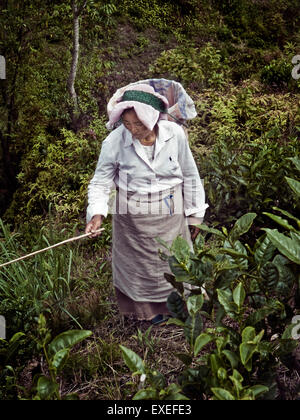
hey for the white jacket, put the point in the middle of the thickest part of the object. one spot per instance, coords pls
(124, 163)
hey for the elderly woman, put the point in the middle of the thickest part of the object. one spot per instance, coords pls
(158, 194)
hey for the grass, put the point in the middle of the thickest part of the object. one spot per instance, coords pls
(97, 371)
(67, 282)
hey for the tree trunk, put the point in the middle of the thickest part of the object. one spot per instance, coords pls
(73, 71)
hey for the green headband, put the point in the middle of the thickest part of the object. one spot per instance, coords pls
(145, 98)
(148, 99)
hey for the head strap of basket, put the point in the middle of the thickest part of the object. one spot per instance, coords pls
(145, 98)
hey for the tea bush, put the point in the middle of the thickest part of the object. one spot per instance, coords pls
(56, 352)
(244, 113)
(182, 19)
(243, 142)
(149, 13)
(278, 72)
(240, 336)
(248, 178)
(53, 353)
(260, 24)
(201, 66)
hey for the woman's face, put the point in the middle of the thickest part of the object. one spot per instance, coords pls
(134, 125)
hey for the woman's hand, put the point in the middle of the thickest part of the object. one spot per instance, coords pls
(93, 225)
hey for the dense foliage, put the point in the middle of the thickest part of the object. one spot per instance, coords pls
(236, 60)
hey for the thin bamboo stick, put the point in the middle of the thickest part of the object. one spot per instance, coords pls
(50, 247)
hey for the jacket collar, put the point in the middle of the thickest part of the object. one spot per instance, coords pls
(164, 134)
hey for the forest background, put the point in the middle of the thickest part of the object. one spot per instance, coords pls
(239, 61)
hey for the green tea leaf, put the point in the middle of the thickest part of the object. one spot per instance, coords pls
(194, 304)
(201, 341)
(59, 358)
(282, 222)
(287, 246)
(246, 352)
(157, 380)
(175, 321)
(258, 390)
(180, 249)
(132, 360)
(270, 275)
(215, 363)
(146, 394)
(172, 280)
(288, 214)
(237, 380)
(259, 314)
(173, 392)
(241, 226)
(286, 277)
(67, 340)
(179, 272)
(264, 251)
(222, 374)
(46, 388)
(248, 334)
(296, 162)
(238, 253)
(176, 306)
(232, 358)
(193, 327)
(225, 299)
(233, 253)
(211, 230)
(239, 295)
(295, 185)
(222, 394)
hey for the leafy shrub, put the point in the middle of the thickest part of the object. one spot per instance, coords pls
(288, 246)
(243, 113)
(10, 351)
(56, 352)
(244, 62)
(203, 66)
(149, 13)
(278, 72)
(157, 388)
(260, 24)
(56, 170)
(249, 179)
(240, 336)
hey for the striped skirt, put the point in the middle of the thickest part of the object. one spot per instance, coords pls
(138, 270)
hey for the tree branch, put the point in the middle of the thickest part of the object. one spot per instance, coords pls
(80, 8)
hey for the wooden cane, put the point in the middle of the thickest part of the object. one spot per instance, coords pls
(50, 247)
